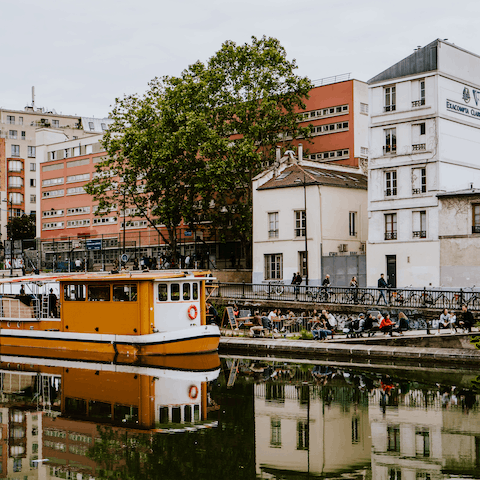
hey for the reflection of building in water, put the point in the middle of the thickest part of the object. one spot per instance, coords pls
(137, 400)
(21, 443)
(305, 428)
(422, 435)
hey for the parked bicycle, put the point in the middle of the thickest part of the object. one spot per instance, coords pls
(319, 294)
(356, 297)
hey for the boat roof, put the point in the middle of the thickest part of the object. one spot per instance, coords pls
(112, 277)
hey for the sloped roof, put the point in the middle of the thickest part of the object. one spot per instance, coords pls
(460, 193)
(422, 60)
(296, 175)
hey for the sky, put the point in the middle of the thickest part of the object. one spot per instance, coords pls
(81, 55)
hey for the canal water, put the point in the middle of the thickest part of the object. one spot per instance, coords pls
(236, 418)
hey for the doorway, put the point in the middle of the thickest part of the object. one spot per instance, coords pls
(392, 271)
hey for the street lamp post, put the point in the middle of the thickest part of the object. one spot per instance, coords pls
(11, 234)
(306, 244)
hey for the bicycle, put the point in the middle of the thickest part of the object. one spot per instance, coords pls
(359, 297)
(319, 294)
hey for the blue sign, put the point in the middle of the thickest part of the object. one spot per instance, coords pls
(94, 244)
(187, 233)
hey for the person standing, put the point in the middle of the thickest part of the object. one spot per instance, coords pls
(326, 281)
(382, 285)
(354, 286)
(52, 304)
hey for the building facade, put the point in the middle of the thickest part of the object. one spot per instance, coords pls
(304, 217)
(337, 112)
(424, 139)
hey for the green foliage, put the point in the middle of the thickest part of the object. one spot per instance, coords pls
(306, 335)
(21, 227)
(192, 144)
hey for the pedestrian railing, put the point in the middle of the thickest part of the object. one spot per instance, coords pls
(395, 297)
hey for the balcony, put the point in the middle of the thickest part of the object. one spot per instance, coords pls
(389, 108)
(389, 149)
(273, 234)
(418, 103)
(390, 235)
(391, 192)
(419, 234)
(419, 147)
(475, 228)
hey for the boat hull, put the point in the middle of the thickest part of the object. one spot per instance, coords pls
(197, 340)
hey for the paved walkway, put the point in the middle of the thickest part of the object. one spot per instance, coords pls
(367, 350)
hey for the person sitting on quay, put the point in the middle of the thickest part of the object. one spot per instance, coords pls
(453, 322)
(368, 325)
(403, 324)
(467, 320)
(321, 331)
(386, 325)
(331, 321)
(444, 320)
(257, 328)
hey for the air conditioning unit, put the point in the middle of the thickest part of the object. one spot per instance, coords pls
(363, 247)
(343, 247)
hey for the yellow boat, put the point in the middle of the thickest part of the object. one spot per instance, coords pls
(128, 314)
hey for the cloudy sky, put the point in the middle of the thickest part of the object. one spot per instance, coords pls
(81, 55)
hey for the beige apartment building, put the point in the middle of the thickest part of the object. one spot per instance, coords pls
(18, 155)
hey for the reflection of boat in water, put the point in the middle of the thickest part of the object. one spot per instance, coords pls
(131, 314)
(52, 408)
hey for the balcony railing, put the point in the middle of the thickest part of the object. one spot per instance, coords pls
(419, 234)
(418, 103)
(419, 147)
(418, 191)
(389, 149)
(273, 234)
(390, 235)
(391, 192)
(389, 108)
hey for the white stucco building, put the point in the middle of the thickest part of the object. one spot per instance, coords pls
(309, 218)
(424, 140)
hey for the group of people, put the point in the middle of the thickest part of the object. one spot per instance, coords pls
(448, 320)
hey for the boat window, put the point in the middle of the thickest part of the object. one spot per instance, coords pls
(175, 292)
(186, 291)
(99, 293)
(125, 293)
(162, 292)
(195, 291)
(74, 293)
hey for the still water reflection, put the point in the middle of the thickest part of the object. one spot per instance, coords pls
(239, 418)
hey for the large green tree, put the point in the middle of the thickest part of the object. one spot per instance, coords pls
(21, 227)
(190, 147)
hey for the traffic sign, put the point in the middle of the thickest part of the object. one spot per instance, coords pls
(124, 258)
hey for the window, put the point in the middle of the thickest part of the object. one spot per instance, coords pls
(175, 292)
(84, 177)
(300, 223)
(78, 223)
(275, 433)
(15, 182)
(16, 198)
(52, 213)
(422, 442)
(186, 291)
(52, 181)
(352, 224)
(302, 435)
(31, 152)
(17, 462)
(91, 126)
(11, 119)
(66, 153)
(75, 191)
(302, 263)
(364, 151)
(74, 293)
(422, 128)
(53, 225)
(33, 167)
(32, 182)
(98, 293)
(104, 220)
(419, 180)
(391, 183)
(53, 193)
(390, 226)
(476, 218)
(355, 430)
(24, 135)
(162, 292)
(393, 434)
(390, 140)
(76, 151)
(421, 94)
(15, 150)
(273, 266)
(15, 166)
(390, 99)
(53, 155)
(12, 134)
(273, 225)
(33, 199)
(78, 163)
(364, 108)
(103, 126)
(78, 210)
(125, 293)
(88, 149)
(55, 123)
(419, 224)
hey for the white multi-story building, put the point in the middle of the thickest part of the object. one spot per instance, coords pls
(424, 142)
(311, 219)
